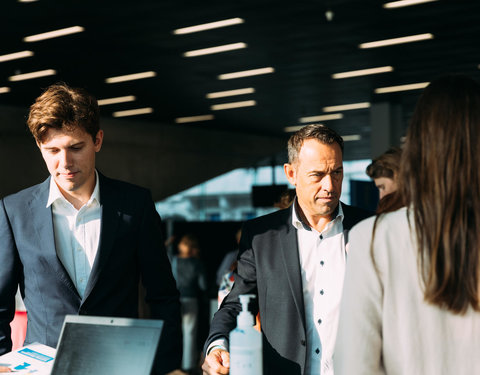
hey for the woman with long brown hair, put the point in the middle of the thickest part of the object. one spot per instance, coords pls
(411, 295)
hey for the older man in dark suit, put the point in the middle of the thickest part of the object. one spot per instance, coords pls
(294, 261)
(80, 243)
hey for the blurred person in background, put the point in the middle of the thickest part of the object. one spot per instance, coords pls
(190, 276)
(411, 301)
(384, 171)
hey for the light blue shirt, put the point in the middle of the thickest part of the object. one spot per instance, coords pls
(77, 233)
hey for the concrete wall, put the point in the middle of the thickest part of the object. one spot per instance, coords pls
(165, 158)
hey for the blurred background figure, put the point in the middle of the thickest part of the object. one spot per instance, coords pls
(286, 199)
(225, 272)
(384, 171)
(411, 300)
(189, 273)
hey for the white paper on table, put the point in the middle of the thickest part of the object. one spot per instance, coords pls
(31, 359)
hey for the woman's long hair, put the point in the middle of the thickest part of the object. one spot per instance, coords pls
(440, 182)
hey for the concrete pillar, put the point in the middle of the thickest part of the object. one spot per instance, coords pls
(387, 127)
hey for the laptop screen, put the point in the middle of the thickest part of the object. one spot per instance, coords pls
(90, 345)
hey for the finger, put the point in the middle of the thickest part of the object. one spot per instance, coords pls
(225, 359)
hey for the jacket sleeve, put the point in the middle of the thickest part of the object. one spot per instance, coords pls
(161, 294)
(9, 276)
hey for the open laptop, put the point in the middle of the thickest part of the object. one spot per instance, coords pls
(92, 345)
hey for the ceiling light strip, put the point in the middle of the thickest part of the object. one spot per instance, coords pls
(346, 107)
(4, 90)
(333, 116)
(405, 3)
(212, 50)
(390, 42)
(223, 94)
(120, 99)
(246, 103)
(131, 77)
(246, 73)
(217, 49)
(351, 137)
(363, 72)
(54, 34)
(412, 86)
(32, 75)
(15, 56)
(183, 120)
(209, 26)
(132, 112)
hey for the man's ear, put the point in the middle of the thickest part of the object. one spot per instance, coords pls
(98, 140)
(291, 173)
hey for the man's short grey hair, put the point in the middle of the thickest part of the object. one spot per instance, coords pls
(319, 132)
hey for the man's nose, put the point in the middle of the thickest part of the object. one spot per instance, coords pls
(65, 159)
(327, 183)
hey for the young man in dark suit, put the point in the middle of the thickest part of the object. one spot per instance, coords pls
(294, 261)
(80, 243)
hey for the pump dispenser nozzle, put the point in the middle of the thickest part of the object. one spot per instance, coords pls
(245, 318)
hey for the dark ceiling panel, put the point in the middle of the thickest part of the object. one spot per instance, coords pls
(295, 38)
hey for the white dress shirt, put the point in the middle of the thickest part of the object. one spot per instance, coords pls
(77, 233)
(322, 261)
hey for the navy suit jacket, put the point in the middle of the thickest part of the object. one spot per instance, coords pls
(269, 267)
(130, 250)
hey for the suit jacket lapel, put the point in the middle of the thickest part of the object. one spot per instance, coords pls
(45, 237)
(289, 250)
(108, 229)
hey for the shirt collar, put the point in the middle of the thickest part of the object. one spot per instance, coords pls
(299, 224)
(55, 194)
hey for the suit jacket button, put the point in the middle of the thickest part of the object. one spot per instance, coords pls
(303, 342)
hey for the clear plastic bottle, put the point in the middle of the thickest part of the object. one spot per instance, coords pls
(245, 343)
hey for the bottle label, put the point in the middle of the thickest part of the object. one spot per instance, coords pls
(245, 361)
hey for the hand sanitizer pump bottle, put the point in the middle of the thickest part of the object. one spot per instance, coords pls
(245, 343)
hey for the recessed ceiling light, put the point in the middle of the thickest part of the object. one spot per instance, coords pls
(131, 77)
(38, 74)
(120, 99)
(246, 103)
(390, 42)
(363, 72)
(222, 94)
(209, 26)
(27, 1)
(405, 3)
(333, 116)
(246, 73)
(183, 120)
(4, 90)
(54, 34)
(16, 55)
(212, 50)
(412, 86)
(346, 107)
(351, 137)
(132, 112)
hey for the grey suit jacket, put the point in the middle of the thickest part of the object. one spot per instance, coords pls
(269, 267)
(130, 249)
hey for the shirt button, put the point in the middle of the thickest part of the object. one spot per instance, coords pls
(303, 342)
(321, 236)
(322, 262)
(319, 321)
(321, 292)
(317, 350)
